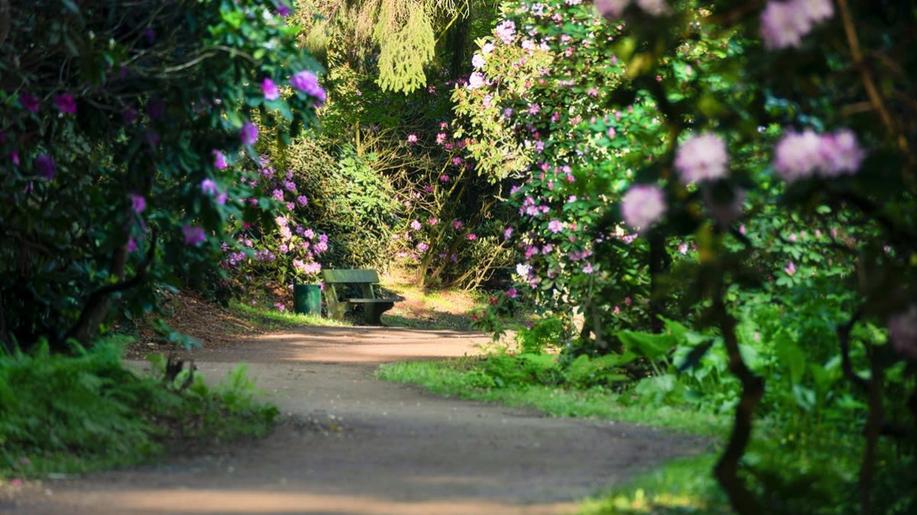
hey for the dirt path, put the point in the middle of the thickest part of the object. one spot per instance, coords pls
(358, 445)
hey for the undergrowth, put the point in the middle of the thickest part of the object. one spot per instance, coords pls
(538, 381)
(86, 411)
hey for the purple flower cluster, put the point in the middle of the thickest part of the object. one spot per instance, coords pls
(194, 235)
(701, 158)
(45, 166)
(219, 160)
(307, 82)
(802, 155)
(249, 134)
(138, 203)
(65, 103)
(269, 89)
(642, 206)
(506, 31)
(785, 23)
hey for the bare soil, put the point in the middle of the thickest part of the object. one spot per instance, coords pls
(354, 444)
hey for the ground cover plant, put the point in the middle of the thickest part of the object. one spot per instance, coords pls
(67, 414)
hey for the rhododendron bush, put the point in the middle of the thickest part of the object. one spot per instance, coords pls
(729, 164)
(123, 131)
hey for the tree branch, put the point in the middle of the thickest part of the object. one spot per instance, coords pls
(875, 98)
(96, 303)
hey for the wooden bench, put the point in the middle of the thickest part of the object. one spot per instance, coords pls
(349, 291)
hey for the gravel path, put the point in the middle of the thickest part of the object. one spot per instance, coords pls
(354, 444)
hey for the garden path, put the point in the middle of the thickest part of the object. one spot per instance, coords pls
(354, 444)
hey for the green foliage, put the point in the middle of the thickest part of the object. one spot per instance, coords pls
(544, 333)
(109, 182)
(406, 45)
(466, 378)
(86, 411)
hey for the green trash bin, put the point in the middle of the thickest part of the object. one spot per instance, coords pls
(307, 299)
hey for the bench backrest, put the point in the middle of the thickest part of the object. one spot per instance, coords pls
(341, 284)
(351, 276)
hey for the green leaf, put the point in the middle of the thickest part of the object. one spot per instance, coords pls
(652, 346)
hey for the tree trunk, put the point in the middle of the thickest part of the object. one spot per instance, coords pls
(659, 263)
(727, 468)
(871, 432)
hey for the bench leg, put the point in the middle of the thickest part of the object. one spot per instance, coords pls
(372, 313)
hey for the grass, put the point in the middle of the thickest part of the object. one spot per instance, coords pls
(461, 378)
(66, 414)
(681, 486)
(271, 319)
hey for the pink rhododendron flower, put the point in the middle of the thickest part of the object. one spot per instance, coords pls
(507, 233)
(506, 31)
(801, 155)
(249, 134)
(478, 61)
(476, 80)
(785, 23)
(138, 203)
(457, 224)
(422, 247)
(611, 9)
(471, 236)
(902, 331)
(432, 220)
(783, 26)
(587, 268)
(840, 153)
(790, 268)
(302, 200)
(642, 206)
(700, 158)
(283, 10)
(131, 245)
(654, 7)
(65, 103)
(415, 224)
(512, 293)
(412, 139)
(555, 226)
(194, 235)
(269, 89)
